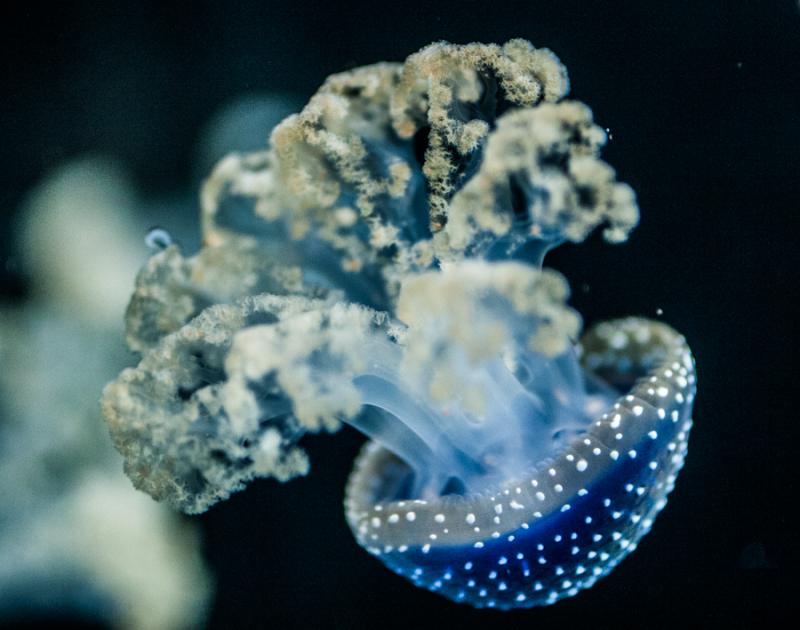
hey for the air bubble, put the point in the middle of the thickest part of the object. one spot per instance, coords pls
(157, 239)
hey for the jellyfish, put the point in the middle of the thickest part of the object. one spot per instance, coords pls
(380, 265)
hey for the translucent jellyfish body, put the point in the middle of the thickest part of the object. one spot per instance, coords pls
(380, 265)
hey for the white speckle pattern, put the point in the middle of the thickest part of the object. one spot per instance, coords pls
(600, 509)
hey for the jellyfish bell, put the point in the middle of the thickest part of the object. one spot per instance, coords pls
(566, 520)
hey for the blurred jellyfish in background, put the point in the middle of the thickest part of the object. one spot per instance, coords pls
(242, 125)
(75, 540)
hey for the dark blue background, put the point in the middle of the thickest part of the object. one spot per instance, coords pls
(703, 102)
